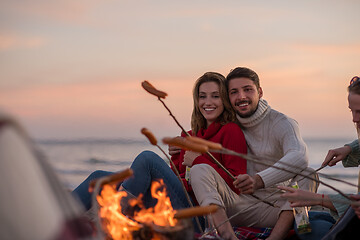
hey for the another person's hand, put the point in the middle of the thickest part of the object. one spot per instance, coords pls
(189, 158)
(336, 155)
(173, 150)
(356, 208)
(300, 198)
(245, 183)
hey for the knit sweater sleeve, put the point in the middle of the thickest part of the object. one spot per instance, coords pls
(352, 160)
(340, 207)
(286, 137)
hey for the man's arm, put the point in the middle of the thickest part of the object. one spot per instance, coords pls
(286, 137)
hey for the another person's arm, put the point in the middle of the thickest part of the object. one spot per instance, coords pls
(300, 198)
(348, 154)
(336, 155)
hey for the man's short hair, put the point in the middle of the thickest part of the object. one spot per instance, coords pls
(244, 72)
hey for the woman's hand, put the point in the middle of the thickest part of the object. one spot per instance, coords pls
(173, 150)
(300, 198)
(336, 155)
(189, 158)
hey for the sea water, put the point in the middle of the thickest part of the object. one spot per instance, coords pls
(74, 160)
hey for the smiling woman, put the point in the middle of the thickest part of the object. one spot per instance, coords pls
(210, 103)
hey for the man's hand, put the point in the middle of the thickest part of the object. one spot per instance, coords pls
(356, 208)
(336, 155)
(189, 158)
(248, 184)
(173, 150)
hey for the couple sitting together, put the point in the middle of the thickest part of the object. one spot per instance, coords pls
(232, 112)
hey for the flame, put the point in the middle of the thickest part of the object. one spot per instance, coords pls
(119, 226)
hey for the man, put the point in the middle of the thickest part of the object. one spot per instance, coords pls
(272, 137)
(269, 134)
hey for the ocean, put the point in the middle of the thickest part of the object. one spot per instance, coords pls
(74, 160)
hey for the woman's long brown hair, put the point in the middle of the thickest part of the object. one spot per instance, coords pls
(228, 115)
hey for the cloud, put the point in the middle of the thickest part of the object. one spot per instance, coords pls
(11, 41)
(123, 105)
(64, 11)
(327, 49)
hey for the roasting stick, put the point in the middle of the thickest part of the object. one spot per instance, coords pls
(96, 187)
(113, 178)
(153, 141)
(199, 146)
(341, 201)
(253, 159)
(301, 174)
(160, 94)
(277, 191)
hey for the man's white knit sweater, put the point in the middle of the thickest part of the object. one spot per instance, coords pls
(272, 136)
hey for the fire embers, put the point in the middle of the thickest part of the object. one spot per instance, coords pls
(151, 223)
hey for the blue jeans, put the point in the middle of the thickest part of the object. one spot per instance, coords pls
(147, 167)
(82, 191)
(320, 222)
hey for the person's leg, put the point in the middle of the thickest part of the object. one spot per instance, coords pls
(82, 191)
(148, 167)
(207, 185)
(320, 223)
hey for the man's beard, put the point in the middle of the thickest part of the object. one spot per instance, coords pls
(246, 115)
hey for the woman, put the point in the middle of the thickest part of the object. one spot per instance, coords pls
(212, 119)
(321, 222)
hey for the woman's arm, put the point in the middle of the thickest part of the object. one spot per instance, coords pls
(300, 198)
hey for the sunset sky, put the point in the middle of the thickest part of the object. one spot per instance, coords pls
(73, 69)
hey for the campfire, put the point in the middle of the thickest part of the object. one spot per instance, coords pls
(160, 222)
(144, 223)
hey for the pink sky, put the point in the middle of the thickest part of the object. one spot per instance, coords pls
(73, 68)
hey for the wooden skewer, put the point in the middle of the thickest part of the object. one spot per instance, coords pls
(114, 178)
(153, 141)
(252, 159)
(195, 211)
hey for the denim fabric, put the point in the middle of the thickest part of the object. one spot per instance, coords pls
(147, 167)
(82, 193)
(320, 223)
